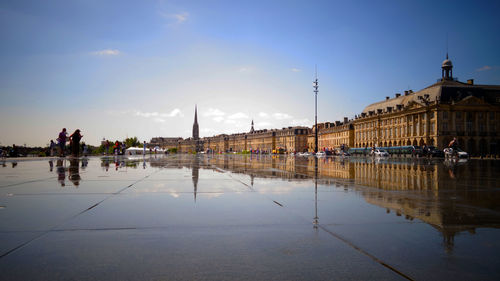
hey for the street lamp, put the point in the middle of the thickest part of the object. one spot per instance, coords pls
(315, 86)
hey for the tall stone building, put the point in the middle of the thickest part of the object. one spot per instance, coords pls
(434, 116)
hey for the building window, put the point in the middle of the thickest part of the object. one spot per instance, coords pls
(458, 115)
(445, 115)
(445, 126)
(469, 126)
(492, 115)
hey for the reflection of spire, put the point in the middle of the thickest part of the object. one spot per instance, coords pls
(251, 179)
(194, 173)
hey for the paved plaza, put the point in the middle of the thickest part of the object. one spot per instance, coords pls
(243, 217)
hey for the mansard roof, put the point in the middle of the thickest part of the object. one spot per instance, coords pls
(444, 91)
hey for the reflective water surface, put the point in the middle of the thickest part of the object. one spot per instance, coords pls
(245, 217)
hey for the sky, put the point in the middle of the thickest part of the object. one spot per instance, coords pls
(117, 69)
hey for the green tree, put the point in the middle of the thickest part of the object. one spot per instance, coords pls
(130, 142)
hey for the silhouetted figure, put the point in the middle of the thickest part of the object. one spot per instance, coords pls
(61, 140)
(51, 165)
(14, 151)
(75, 142)
(52, 148)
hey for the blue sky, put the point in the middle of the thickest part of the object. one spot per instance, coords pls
(137, 68)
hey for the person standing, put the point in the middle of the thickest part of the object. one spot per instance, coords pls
(62, 141)
(52, 148)
(144, 148)
(75, 142)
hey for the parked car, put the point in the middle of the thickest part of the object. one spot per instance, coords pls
(448, 153)
(380, 153)
(434, 152)
(321, 154)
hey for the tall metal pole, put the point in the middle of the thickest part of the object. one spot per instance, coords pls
(315, 86)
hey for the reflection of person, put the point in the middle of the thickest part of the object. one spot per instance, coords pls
(51, 165)
(74, 175)
(85, 162)
(61, 173)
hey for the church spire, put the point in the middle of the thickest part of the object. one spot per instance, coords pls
(196, 129)
(251, 129)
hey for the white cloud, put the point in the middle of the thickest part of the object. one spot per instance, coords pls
(208, 130)
(159, 120)
(218, 118)
(229, 121)
(281, 116)
(301, 122)
(484, 68)
(107, 52)
(239, 115)
(246, 69)
(213, 112)
(293, 69)
(174, 113)
(263, 124)
(175, 19)
(263, 115)
(180, 18)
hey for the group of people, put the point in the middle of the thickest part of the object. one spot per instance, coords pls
(62, 139)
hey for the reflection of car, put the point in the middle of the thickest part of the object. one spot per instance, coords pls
(381, 153)
(305, 154)
(448, 152)
(434, 152)
(321, 154)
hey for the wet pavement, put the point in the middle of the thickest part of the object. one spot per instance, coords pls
(243, 217)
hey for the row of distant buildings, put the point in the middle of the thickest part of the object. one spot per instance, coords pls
(433, 116)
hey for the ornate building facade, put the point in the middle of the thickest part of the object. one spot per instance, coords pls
(434, 116)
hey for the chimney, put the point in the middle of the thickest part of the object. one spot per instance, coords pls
(386, 98)
(346, 120)
(398, 95)
(406, 93)
(470, 81)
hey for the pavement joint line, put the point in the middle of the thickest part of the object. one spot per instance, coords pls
(352, 245)
(19, 183)
(68, 219)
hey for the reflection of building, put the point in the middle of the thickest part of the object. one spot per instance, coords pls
(434, 116)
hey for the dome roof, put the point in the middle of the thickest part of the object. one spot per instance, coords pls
(447, 63)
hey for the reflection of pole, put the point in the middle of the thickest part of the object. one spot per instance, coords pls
(316, 219)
